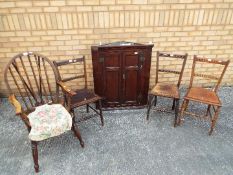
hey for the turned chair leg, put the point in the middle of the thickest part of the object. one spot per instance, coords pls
(149, 104)
(87, 107)
(214, 120)
(174, 104)
(155, 100)
(35, 155)
(177, 101)
(77, 132)
(186, 105)
(183, 108)
(208, 110)
(101, 114)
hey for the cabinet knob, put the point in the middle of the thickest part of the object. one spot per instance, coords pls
(135, 53)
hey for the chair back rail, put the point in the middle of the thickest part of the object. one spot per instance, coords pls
(61, 63)
(183, 57)
(203, 60)
(29, 75)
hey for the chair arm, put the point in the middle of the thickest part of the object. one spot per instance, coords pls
(16, 104)
(66, 89)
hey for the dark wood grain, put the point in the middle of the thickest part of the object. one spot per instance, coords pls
(121, 74)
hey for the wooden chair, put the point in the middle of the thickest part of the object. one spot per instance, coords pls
(79, 96)
(167, 90)
(32, 78)
(203, 95)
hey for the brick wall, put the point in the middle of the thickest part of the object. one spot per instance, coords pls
(66, 28)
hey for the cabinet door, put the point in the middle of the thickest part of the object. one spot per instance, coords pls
(111, 78)
(132, 64)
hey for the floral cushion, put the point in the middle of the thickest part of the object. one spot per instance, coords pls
(49, 121)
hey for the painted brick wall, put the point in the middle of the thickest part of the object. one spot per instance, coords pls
(66, 28)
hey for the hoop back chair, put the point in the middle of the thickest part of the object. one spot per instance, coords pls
(32, 78)
(203, 95)
(76, 97)
(167, 90)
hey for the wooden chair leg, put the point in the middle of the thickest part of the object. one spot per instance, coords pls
(87, 107)
(183, 108)
(155, 100)
(174, 104)
(72, 112)
(35, 155)
(214, 120)
(77, 132)
(177, 101)
(101, 114)
(186, 105)
(208, 110)
(149, 104)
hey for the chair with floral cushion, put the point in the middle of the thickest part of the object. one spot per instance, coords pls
(31, 81)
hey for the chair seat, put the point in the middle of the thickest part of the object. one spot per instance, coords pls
(203, 95)
(83, 97)
(49, 121)
(165, 90)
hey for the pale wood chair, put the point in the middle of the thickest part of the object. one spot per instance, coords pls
(168, 89)
(203, 95)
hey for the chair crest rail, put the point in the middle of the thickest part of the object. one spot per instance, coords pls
(208, 60)
(65, 62)
(161, 54)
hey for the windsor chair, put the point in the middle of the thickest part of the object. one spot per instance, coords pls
(31, 81)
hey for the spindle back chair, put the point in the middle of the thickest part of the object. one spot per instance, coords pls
(31, 81)
(169, 89)
(203, 95)
(78, 96)
(30, 76)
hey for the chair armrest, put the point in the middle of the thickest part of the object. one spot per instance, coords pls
(16, 104)
(66, 89)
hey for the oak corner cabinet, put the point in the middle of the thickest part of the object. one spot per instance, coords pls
(121, 72)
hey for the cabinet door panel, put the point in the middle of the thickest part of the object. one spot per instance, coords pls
(112, 78)
(131, 83)
(112, 91)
